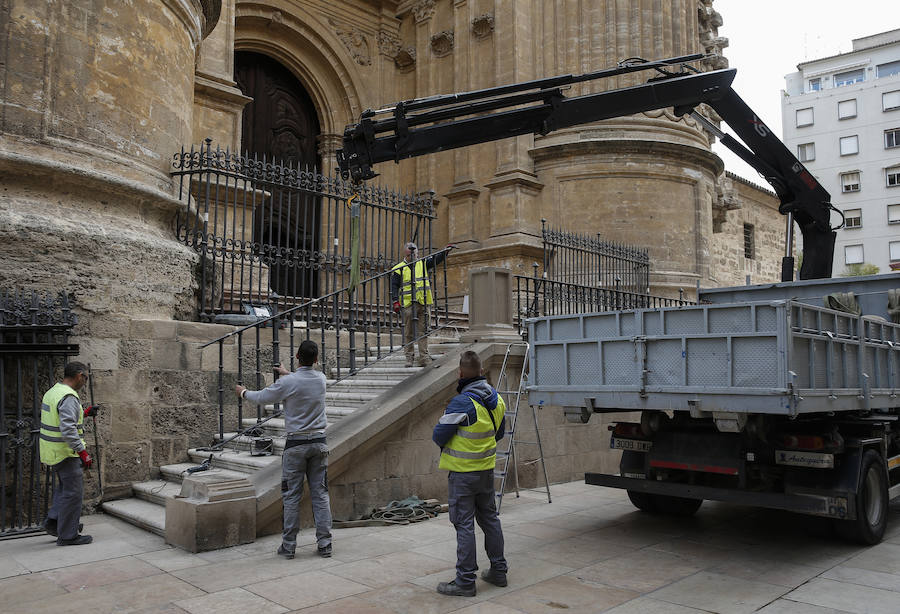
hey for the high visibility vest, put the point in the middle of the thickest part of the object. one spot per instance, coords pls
(54, 448)
(415, 279)
(474, 448)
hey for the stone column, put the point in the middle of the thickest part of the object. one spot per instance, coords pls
(490, 306)
(97, 96)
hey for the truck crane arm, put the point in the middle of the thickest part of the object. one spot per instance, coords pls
(438, 123)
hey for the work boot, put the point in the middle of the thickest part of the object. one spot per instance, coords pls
(81, 540)
(492, 576)
(454, 590)
(282, 551)
(409, 362)
(425, 360)
(325, 551)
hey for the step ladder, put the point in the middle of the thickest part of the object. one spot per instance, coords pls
(506, 459)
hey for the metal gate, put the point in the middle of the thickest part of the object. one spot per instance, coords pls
(589, 261)
(279, 234)
(34, 342)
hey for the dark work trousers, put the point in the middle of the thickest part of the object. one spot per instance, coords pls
(413, 328)
(471, 498)
(66, 507)
(310, 461)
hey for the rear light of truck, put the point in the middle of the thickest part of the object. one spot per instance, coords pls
(627, 429)
(803, 442)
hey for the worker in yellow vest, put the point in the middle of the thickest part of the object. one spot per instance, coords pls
(468, 433)
(411, 295)
(63, 449)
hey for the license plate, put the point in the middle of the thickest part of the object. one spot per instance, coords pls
(816, 460)
(635, 445)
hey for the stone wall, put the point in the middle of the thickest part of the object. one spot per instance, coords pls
(402, 460)
(758, 207)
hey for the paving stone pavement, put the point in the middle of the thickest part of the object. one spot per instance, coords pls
(588, 551)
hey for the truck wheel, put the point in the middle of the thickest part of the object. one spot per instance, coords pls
(676, 506)
(871, 503)
(643, 501)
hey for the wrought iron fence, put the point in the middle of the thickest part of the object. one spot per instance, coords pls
(279, 235)
(589, 261)
(537, 296)
(353, 329)
(34, 342)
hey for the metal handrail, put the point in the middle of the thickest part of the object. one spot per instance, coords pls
(280, 315)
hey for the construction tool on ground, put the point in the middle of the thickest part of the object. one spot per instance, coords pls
(506, 459)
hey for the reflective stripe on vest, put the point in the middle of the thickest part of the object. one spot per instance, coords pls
(474, 447)
(54, 448)
(420, 282)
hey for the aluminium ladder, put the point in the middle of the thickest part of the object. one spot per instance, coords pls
(507, 457)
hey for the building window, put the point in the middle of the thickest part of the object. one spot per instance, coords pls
(893, 176)
(853, 254)
(804, 117)
(888, 69)
(748, 241)
(892, 138)
(850, 182)
(815, 84)
(853, 218)
(890, 101)
(849, 78)
(806, 152)
(847, 109)
(895, 251)
(893, 214)
(849, 145)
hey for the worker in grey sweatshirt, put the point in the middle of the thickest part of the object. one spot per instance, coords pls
(305, 452)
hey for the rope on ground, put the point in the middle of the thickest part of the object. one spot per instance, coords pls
(405, 511)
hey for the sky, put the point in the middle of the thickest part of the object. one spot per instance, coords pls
(768, 38)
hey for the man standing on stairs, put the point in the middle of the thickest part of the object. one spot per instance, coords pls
(411, 295)
(467, 434)
(62, 448)
(305, 451)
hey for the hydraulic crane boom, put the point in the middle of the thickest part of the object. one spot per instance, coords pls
(427, 125)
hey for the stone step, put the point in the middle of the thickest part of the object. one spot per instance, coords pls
(349, 398)
(176, 472)
(234, 460)
(382, 372)
(243, 442)
(357, 383)
(156, 491)
(140, 513)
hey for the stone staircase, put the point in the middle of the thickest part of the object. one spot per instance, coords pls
(147, 508)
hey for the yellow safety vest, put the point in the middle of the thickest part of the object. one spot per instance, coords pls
(420, 281)
(474, 448)
(54, 448)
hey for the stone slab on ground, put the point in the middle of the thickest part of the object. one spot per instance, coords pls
(588, 553)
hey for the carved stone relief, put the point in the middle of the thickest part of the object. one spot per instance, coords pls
(710, 20)
(483, 26)
(405, 59)
(442, 43)
(423, 10)
(388, 43)
(355, 42)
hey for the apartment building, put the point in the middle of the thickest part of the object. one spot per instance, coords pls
(841, 116)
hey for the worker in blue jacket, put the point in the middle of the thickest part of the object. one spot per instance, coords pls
(467, 434)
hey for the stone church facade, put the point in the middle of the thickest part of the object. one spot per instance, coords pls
(97, 96)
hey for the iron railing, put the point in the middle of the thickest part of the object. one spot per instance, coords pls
(590, 261)
(34, 343)
(279, 235)
(340, 321)
(537, 296)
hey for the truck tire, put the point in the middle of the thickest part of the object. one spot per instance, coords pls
(871, 503)
(676, 506)
(633, 462)
(642, 500)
